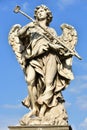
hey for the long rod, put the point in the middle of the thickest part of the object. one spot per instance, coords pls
(27, 16)
(58, 40)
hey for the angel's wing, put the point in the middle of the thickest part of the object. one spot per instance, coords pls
(16, 44)
(69, 36)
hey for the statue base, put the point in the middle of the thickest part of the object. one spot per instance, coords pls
(40, 127)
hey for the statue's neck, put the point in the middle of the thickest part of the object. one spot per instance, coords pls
(42, 23)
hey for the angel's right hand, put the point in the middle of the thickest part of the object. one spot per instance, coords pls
(55, 46)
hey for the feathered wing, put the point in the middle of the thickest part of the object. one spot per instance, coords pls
(69, 36)
(69, 39)
(16, 44)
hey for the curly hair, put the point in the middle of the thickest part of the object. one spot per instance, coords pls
(49, 13)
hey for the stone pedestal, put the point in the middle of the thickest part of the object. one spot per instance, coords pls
(40, 127)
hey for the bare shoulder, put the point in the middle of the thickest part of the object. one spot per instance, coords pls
(31, 24)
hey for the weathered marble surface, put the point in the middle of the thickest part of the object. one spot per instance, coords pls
(40, 127)
(46, 60)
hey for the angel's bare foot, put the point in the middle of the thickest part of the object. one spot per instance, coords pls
(42, 111)
(27, 117)
(33, 112)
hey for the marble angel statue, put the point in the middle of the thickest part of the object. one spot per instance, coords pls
(46, 60)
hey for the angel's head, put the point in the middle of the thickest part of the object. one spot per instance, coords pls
(43, 12)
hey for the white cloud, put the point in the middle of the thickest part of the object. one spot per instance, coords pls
(4, 8)
(79, 85)
(81, 65)
(67, 104)
(82, 102)
(67, 2)
(79, 88)
(64, 3)
(81, 77)
(74, 90)
(25, 6)
(83, 125)
(84, 86)
(6, 121)
(73, 127)
(10, 106)
(4, 128)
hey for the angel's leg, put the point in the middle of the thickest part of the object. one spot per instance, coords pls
(30, 78)
(51, 70)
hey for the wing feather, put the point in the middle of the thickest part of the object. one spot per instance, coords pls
(69, 36)
(16, 44)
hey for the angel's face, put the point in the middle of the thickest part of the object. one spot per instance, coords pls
(41, 14)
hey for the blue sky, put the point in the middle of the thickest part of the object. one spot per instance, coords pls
(12, 84)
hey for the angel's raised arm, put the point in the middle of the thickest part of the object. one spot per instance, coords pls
(24, 31)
